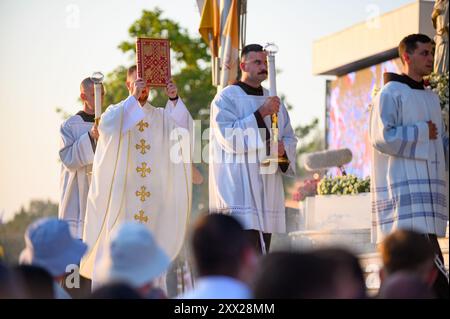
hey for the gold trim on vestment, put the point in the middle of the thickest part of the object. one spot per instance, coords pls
(188, 213)
(111, 187)
(125, 182)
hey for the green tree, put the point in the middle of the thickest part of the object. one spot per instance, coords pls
(190, 63)
(115, 87)
(12, 233)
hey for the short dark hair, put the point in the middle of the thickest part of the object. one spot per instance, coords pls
(115, 290)
(131, 70)
(409, 43)
(251, 48)
(405, 250)
(405, 285)
(37, 282)
(86, 84)
(294, 275)
(345, 263)
(218, 243)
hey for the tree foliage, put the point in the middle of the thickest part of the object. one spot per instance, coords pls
(12, 233)
(115, 87)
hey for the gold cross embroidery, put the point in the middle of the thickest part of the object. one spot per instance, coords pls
(144, 170)
(141, 217)
(142, 125)
(143, 193)
(143, 146)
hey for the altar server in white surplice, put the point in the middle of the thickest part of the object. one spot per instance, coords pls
(78, 137)
(239, 135)
(410, 150)
(141, 172)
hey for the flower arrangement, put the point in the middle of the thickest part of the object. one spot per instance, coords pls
(343, 185)
(438, 82)
(308, 188)
(339, 185)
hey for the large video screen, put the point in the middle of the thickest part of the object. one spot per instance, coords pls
(347, 113)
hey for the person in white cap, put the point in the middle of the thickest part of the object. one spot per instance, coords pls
(134, 258)
(50, 245)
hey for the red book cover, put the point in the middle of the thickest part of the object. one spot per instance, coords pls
(153, 61)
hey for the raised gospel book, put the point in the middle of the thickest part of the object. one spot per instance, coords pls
(153, 61)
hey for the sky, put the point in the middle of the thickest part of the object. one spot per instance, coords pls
(49, 46)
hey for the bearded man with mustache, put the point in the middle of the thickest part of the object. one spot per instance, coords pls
(239, 140)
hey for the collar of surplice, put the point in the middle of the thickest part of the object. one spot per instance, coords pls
(249, 90)
(86, 117)
(403, 78)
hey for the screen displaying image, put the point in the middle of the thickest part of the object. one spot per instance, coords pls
(347, 113)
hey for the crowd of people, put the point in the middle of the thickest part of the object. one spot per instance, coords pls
(225, 261)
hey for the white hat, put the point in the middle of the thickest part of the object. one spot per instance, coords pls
(133, 257)
(49, 244)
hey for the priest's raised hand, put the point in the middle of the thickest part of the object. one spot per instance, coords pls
(432, 130)
(140, 91)
(172, 91)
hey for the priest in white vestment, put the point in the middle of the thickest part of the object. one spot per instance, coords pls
(141, 172)
(78, 139)
(409, 173)
(239, 138)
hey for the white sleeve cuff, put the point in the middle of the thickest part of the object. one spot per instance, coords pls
(424, 134)
(423, 141)
(179, 113)
(132, 113)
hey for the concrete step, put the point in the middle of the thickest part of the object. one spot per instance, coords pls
(355, 240)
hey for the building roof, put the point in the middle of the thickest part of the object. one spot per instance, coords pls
(371, 42)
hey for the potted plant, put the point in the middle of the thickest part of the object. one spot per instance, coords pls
(341, 202)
